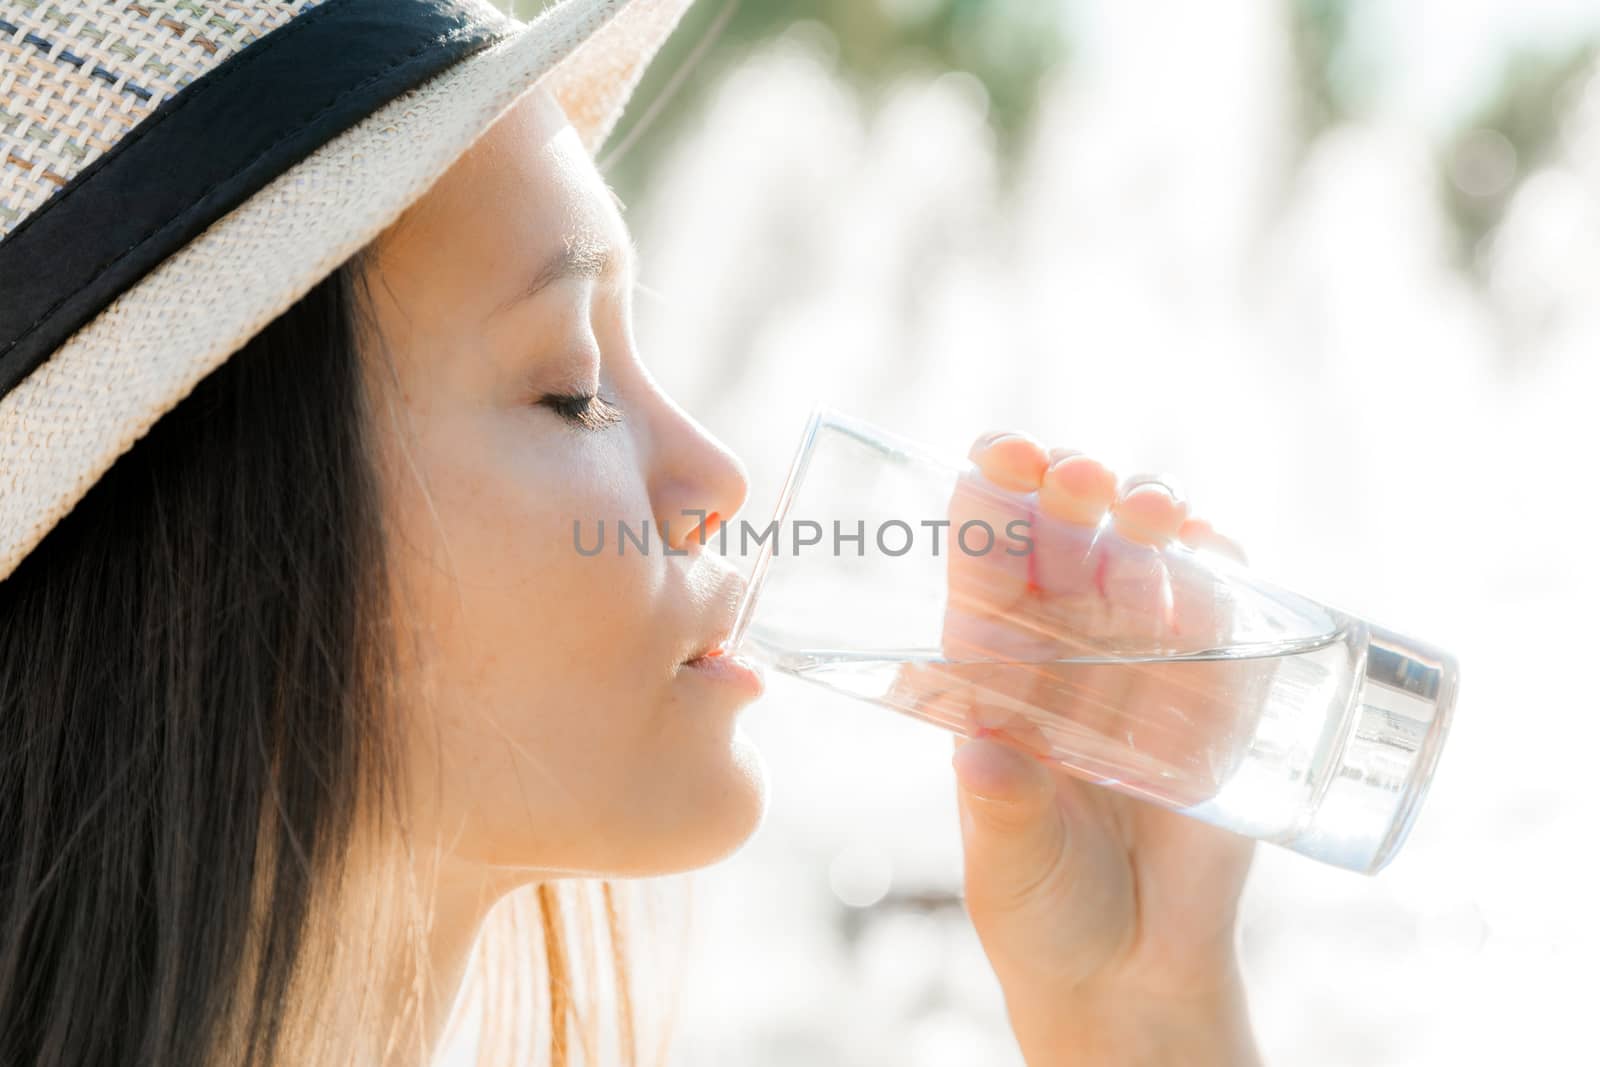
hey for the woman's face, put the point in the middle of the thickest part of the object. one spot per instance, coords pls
(551, 723)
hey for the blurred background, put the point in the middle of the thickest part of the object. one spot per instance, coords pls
(1333, 266)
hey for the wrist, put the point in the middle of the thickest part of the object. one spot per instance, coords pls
(1124, 1025)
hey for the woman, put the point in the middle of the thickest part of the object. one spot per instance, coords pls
(306, 682)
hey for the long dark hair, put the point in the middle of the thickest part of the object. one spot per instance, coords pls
(195, 727)
(184, 666)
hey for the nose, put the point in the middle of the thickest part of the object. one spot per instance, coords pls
(696, 483)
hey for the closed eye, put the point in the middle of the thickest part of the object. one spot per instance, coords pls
(588, 411)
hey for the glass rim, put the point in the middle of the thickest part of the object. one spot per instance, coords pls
(791, 483)
(825, 416)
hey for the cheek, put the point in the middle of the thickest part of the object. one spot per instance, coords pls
(542, 667)
(500, 569)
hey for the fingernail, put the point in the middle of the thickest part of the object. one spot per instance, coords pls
(985, 440)
(1165, 483)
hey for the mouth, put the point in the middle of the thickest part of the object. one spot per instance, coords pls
(718, 665)
(712, 658)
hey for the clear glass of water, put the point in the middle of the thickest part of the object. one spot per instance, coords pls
(1170, 674)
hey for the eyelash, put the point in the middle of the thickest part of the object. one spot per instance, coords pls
(588, 411)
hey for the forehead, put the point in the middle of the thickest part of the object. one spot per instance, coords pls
(526, 185)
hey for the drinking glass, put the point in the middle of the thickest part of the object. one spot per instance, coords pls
(1172, 674)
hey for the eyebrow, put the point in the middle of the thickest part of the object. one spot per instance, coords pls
(583, 255)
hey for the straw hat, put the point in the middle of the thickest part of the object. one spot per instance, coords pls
(174, 174)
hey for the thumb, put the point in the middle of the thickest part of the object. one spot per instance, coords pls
(1014, 833)
(1045, 896)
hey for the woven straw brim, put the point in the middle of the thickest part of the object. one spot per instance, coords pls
(64, 426)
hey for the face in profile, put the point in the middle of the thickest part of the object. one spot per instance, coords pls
(550, 723)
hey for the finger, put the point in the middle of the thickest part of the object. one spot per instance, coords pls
(1077, 488)
(1200, 534)
(983, 440)
(987, 572)
(1012, 461)
(1148, 510)
(1048, 893)
(1220, 700)
(1090, 581)
(1004, 705)
(1145, 516)
(1137, 593)
(1010, 826)
(1202, 608)
(1014, 786)
(1074, 498)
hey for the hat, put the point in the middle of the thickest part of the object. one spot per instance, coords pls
(174, 174)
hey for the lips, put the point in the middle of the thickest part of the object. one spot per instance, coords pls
(711, 659)
(735, 671)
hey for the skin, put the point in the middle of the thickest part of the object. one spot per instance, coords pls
(552, 728)
(1109, 921)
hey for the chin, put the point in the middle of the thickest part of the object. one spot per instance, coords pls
(723, 810)
(745, 807)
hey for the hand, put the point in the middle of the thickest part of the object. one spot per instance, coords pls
(1109, 920)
